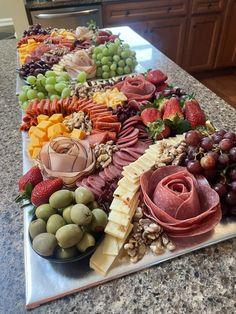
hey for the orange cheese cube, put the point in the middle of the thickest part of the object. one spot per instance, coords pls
(31, 130)
(66, 134)
(78, 134)
(44, 125)
(56, 118)
(40, 134)
(36, 152)
(55, 130)
(35, 141)
(42, 117)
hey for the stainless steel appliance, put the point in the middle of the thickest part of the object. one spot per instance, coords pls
(69, 17)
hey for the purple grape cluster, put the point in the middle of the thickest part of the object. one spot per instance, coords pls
(214, 157)
(36, 30)
(106, 197)
(170, 92)
(34, 68)
(124, 112)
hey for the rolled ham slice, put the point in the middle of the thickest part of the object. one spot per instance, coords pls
(183, 205)
(136, 88)
(67, 158)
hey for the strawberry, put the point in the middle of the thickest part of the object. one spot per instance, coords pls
(158, 130)
(150, 115)
(33, 177)
(172, 109)
(193, 113)
(43, 190)
(164, 134)
(156, 77)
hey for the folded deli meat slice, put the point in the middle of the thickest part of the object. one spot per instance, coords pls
(67, 158)
(136, 88)
(182, 204)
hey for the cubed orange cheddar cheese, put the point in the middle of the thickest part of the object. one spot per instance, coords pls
(44, 125)
(40, 134)
(32, 128)
(78, 134)
(42, 117)
(35, 141)
(56, 118)
(36, 152)
(55, 130)
(66, 134)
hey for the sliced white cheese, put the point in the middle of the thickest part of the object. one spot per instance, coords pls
(116, 230)
(127, 184)
(110, 245)
(119, 218)
(123, 194)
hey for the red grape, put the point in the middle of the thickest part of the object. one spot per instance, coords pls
(230, 135)
(231, 198)
(220, 132)
(214, 155)
(233, 186)
(224, 209)
(206, 143)
(194, 167)
(232, 174)
(210, 174)
(232, 154)
(216, 138)
(208, 162)
(220, 188)
(226, 144)
(223, 159)
(193, 137)
(191, 152)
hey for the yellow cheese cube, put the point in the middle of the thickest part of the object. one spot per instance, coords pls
(36, 152)
(44, 125)
(40, 134)
(56, 118)
(55, 130)
(78, 134)
(35, 141)
(42, 117)
(31, 130)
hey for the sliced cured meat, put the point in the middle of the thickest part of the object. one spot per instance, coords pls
(128, 144)
(125, 156)
(182, 204)
(131, 134)
(123, 133)
(96, 181)
(119, 161)
(98, 138)
(102, 175)
(131, 152)
(108, 173)
(136, 88)
(114, 170)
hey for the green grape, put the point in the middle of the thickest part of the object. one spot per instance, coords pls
(98, 63)
(104, 60)
(112, 73)
(119, 50)
(109, 63)
(127, 69)
(82, 77)
(50, 88)
(23, 97)
(31, 94)
(65, 75)
(97, 50)
(40, 95)
(133, 53)
(113, 66)
(65, 93)
(94, 56)
(105, 68)
(129, 61)
(120, 71)
(24, 105)
(112, 48)
(117, 41)
(126, 46)
(50, 80)
(39, 76)
(121, 63)
(25, 88)
(31, 80)
(60, 86)
(99, 56)
(43, 81)
(105, 52)
(124, 54)
(50, 73)
(105, 75)
(116, 58)
(53, 97)
(99, 72)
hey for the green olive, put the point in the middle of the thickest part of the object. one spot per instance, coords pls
(44, 211)
(83, 196)
(54, 223)
(36, 227)
(44, 244)
(66, 214)
(81, 214)
(99, 220)
(87, 241)
(93, 205)
(69, 235)
(60, 199)
(66, 253)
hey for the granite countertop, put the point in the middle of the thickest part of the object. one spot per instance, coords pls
(44, 4)
(200, 282)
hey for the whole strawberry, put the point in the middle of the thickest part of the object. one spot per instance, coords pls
(172, 109)
(164, 134)
(43, 190)
(33, 177)
(156, 77)
(150, 115)
(193, 113)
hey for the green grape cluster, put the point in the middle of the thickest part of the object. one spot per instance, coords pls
(45, 86)
(113, 59)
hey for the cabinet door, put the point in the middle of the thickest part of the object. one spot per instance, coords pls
(168, 36)
(201, 45)
(226, 55)
(140, 28)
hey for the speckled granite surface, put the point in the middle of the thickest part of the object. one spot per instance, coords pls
(200, 282)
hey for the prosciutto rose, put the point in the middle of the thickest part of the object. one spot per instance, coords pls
(183, 205)
(67, 158)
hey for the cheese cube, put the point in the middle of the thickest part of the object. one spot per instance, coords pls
(31, 130)
(55, 130)
(36, 152)
(56, 118)
(42, 117)
(78, 134)
(40, 134)
(44, 125)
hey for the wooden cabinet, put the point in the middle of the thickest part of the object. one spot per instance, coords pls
(207, 6)
(201, 43)
(226, 55)
(168, 36)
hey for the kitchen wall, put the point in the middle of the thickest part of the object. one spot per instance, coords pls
(13, 12)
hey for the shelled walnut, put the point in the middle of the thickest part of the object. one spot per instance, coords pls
(171, 155)
(146, 235)
(78, 120)
(103, 153)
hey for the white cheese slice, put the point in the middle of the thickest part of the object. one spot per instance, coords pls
(123, 194)
(116, 230)
(127, 184)
(110, 245)
(119, 218)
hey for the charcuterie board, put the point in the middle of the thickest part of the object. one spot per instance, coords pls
(145, 160)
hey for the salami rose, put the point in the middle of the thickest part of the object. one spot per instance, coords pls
(67, 158)
(182, 204)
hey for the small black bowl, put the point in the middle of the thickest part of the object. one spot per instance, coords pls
(81, 255)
